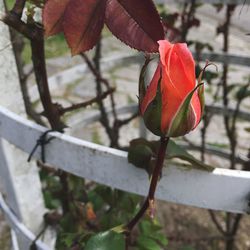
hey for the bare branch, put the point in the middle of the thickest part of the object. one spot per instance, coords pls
(16, 23)
(216, 222)
(87, 103)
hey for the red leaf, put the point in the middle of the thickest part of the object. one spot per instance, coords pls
(82, 23)
(135, 22)
(53, 16)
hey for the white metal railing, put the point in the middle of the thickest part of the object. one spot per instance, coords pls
(222, 189)
(19, 227)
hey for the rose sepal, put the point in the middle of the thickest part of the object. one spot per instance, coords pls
(153, 113)
(142, 86)
(201, 89)
(201, 97)
(184, 121)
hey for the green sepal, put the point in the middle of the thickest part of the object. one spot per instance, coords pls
(173, 151)
(180, 125)
(204, 69)
(152, 115)
(142, 87)
(201, 98)
(141, 155)
(201, 88)
(176, 151)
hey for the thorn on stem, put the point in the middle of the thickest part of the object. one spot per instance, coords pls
(152, 209)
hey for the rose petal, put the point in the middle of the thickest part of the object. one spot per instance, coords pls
(164, 48)
(177, 75)
(171, 101)
(187, 61)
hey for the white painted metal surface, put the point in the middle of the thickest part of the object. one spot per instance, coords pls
(133, 108)
(223, 189)
(20, 229)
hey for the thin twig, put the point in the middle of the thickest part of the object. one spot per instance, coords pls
(186, 23)
(13, 21)
(236, 224)
(216, 222)
(228, 223)
(28, 74)
(230, 133)
(18, 45)
(96, 73)
(73, 107)
(96, 60)
(95, 69)
(121, 123)
(232, 223)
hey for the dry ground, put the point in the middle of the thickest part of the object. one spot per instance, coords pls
(190, 226)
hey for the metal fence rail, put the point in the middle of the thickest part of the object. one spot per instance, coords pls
(222, 189)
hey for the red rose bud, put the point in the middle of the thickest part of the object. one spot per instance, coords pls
(172, 105)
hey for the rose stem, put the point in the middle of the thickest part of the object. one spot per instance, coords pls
(153, 184)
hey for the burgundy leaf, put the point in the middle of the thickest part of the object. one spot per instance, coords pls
(53, 16)
(82, 23)
(135, 22)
